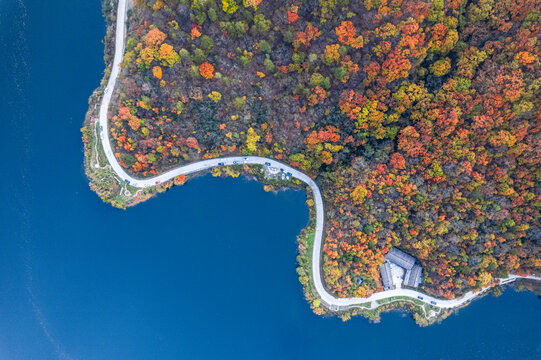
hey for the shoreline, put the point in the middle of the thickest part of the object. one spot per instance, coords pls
(111, 178)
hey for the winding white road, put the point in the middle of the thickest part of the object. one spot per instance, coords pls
(328, 300)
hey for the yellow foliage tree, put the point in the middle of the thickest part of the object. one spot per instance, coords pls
(229, 6)
(326, 157)
(146, 56)
(359, 194)
(158, 5)
(251, 139)
(441, 67)
(215, 96)
(484, 278)
(331, 53)
(168, 55)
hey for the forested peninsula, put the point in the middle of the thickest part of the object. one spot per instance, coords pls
(419, 121)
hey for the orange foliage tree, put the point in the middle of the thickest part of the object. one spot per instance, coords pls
(157, 72)
(206, 70)
(179, 180)
(305, 37)
(154, 38)
(347, 35)
(125, 114)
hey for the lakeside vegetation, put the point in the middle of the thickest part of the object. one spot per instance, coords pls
(418, 119)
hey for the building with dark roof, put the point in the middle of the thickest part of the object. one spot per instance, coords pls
(386, 276)
(413, 276)
(400, 258)
(397, 257)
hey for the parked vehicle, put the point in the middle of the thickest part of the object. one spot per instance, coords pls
(289, 174)
(433, 302)
(220, 164)
(420, 297)
(157, 182)
(127, 181)
(267, 163)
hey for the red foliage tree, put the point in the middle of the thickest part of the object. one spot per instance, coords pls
(192, 143)
(398, 161)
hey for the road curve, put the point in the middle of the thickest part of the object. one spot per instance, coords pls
(328, 300)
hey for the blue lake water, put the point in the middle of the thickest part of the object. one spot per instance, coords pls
(206, 271)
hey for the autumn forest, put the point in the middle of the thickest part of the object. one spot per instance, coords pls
(418, 119)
